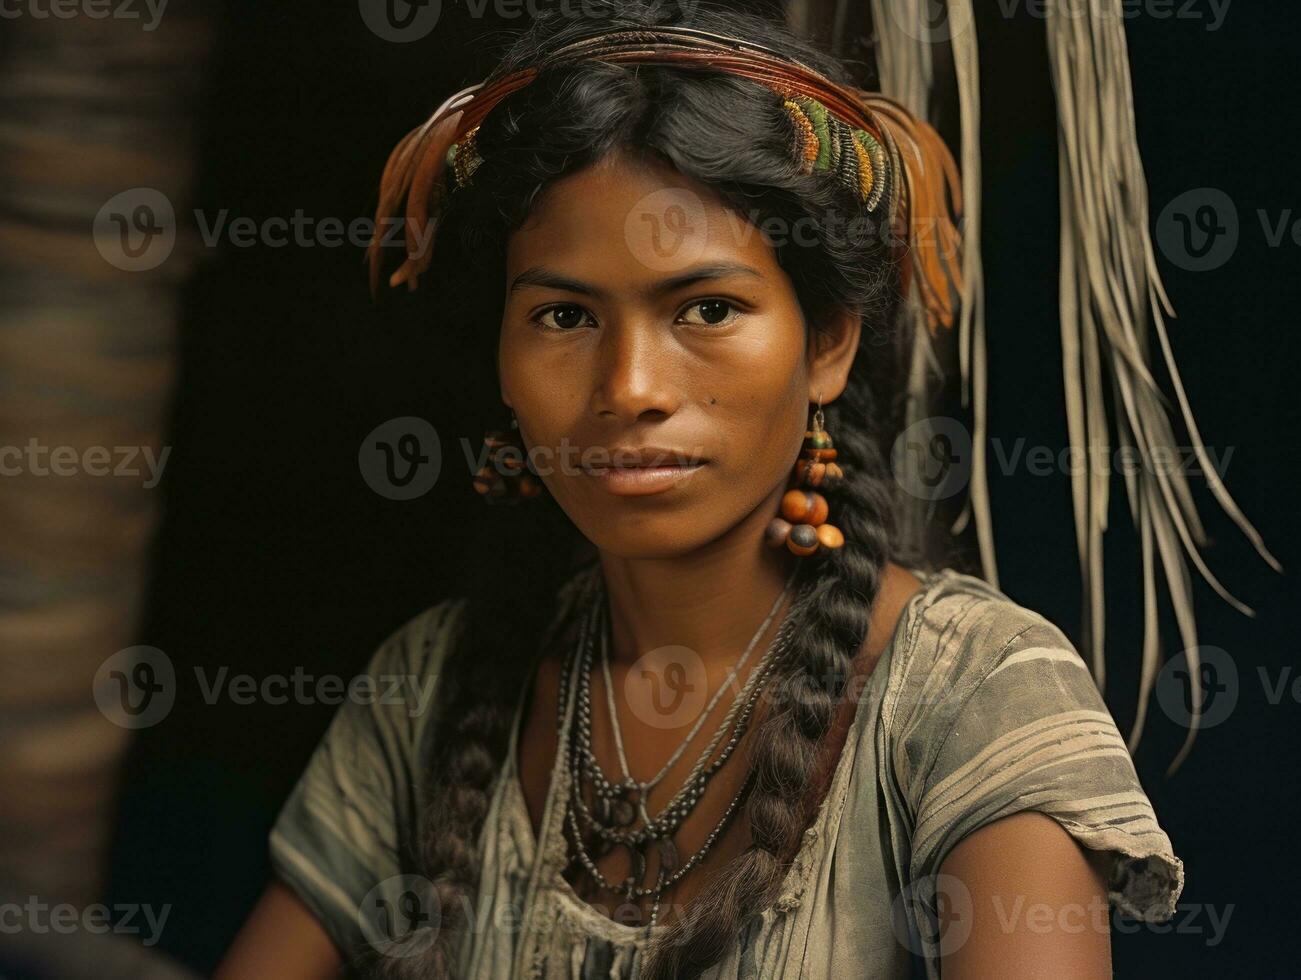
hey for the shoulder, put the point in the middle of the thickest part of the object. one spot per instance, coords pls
(966, 649)
(349, 821)
(962, 627)
(957, 630)
(419, 646)
(989, 710)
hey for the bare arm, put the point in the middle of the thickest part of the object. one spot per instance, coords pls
(1038, 904)
(281, 939)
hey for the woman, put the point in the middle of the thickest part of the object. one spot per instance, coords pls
(705, 714)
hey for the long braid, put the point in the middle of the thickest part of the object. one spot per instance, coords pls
(831, 624)
(477, 695)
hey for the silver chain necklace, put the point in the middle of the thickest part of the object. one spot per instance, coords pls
(616, 811)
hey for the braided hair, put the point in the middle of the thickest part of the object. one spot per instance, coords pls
(736, 137)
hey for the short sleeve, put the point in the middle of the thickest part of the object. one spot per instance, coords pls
(994, 712)
(343, 828)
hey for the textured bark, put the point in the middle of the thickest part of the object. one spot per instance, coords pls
(89, 108)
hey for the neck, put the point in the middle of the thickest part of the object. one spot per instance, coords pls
(711, 600)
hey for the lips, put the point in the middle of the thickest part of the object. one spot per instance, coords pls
(641, 457)
(640, 470)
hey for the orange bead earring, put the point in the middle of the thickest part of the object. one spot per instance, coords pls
(505, 477)
(802, 526)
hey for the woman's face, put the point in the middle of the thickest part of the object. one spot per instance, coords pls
(655, 355)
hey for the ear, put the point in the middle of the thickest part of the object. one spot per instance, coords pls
(831, 354)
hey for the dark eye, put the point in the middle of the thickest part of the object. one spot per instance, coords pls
(711, 312)
(562, 317)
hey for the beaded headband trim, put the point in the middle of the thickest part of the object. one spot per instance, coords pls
(889, 159)
(822, 143)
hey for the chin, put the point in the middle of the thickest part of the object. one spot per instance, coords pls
(650, 536)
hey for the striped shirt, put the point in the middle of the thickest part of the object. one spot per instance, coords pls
(977, 709)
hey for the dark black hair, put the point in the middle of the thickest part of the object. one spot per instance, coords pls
(732, 135)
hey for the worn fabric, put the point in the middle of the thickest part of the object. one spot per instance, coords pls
(978, 708)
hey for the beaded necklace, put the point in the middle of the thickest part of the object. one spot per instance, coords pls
(619, 802)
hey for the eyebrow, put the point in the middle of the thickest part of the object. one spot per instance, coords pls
(540, 276)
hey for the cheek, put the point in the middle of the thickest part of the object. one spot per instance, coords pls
(762, 408)
(538, 384)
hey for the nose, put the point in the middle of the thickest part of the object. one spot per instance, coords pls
(636, 376)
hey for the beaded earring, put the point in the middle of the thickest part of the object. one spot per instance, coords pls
(802, 526)
(505, 477)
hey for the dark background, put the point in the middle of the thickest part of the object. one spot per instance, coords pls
(274, 553)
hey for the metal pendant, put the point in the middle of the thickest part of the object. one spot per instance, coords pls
(622, 813)
(668, 855)
(638, 864)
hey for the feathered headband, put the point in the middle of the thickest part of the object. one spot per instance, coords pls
(899, 167)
